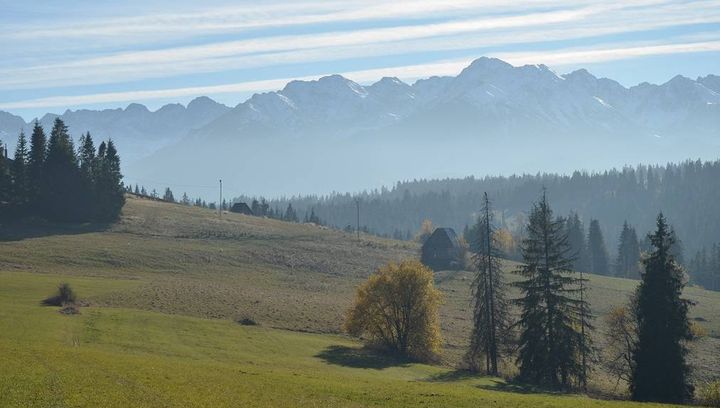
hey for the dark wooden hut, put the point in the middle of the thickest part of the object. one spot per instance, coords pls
(241, 208)
(442, 250)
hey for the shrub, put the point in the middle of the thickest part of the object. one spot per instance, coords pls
(697, 331)
(709, 394)
(397, 310)
(65, 296)
(247, 321)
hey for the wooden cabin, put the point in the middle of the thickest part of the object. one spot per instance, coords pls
(442, 250)
(241, 208)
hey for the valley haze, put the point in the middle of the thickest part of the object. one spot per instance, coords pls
(335, 135)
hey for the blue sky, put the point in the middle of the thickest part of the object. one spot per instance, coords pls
(97, 54)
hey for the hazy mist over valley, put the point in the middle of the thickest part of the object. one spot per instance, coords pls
(335, 135)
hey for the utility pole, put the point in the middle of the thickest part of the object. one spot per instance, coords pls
(221, 200)
(357, 205)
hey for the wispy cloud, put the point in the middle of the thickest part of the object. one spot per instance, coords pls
(329, 46)
(569, 57)
(556, 58)
(406, 72)
(238, 18)
(109, 52)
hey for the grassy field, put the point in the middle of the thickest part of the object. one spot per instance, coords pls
(116, 357)
(166, 283)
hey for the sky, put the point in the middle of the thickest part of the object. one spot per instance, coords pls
(96, 54)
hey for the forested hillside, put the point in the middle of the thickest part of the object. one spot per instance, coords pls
(687, 193)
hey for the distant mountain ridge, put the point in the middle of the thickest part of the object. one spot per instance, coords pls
(138, 131)
(343, 136)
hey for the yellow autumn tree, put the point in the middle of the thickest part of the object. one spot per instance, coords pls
(505, 241)
(426, 229)
(397, 310)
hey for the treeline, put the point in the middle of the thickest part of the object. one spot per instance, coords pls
(48, 178)
(687, 192)
(259, 208)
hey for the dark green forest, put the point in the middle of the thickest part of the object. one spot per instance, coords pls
(48, 178)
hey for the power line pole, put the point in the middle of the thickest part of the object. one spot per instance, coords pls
(221, 200)
(357, 205)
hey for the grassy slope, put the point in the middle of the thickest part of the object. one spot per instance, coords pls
(185, 261)
(116, 357)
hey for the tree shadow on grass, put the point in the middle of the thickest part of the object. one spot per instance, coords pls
(18, 230)
(518, 388)
(455, 375)
(492, 384)
(356, 357)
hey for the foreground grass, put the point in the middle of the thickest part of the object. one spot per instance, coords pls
(115, 357)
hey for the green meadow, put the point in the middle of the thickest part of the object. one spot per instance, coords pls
(165, 286)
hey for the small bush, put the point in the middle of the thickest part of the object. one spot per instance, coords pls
(65, 296)
(709, 394)
(697, 331)
(70, 309)
(247, 321)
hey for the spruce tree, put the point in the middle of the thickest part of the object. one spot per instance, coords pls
(627, 264)
(168, 196)
(36, 161)
(598, 251)
(576, 240)
(490, 332)
(554, 319)
(109, 188)
(89, 168)
(660, 372)
(21, 180)
(5, 179)
(60, 187)
(290, 214)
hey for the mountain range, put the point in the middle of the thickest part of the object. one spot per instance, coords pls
(333, 134)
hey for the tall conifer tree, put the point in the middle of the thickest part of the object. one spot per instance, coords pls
(660, 371)
(554, 319)
(598, 251)
(5, 178)
(21, 182)
(36, 161)
(490, 331)
(110, 191)
(576, 240)
(627, 264)
(60, 182)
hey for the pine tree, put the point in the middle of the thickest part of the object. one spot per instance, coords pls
(576, 240)
(60, 187)
(109, 188)
(490, 333)
(21, 179)
(89, 168)
(5, 178)
(660, 372)
(598, 251)
(554, 319)
(168, 196)
(36, 162)
(627, 264)
(290, 214)
(185, 199)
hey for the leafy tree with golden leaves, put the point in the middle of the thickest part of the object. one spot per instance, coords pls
(426, 229)
(397, 309)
